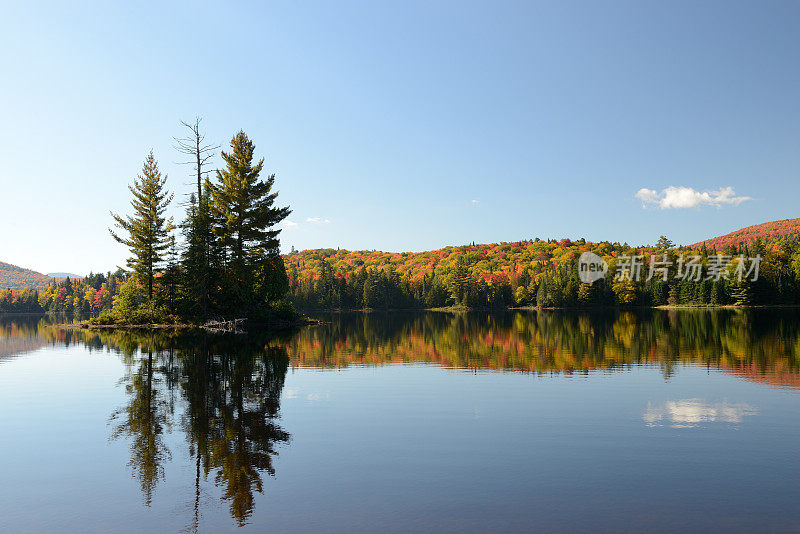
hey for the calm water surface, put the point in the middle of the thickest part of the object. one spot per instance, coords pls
(681, 421)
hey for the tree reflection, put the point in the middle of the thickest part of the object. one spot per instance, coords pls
(230, 388)
(144, 420)
(234, 399)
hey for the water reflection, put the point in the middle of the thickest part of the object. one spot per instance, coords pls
(760, 345)
(231, 389)
(691, 413)
(223, 393)
(143, 420)
(18, 335)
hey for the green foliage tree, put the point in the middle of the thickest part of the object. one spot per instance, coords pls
(437, 294)
(741, 293)
(459, 281)
(195, 268)
(521, 295)
(664, 243)
(659, 292)
(244, 221)
(148, 228)
(795, 264)
(672, 294)
(716, 297)
(586, 294)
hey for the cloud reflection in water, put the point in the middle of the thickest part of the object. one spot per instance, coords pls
(691, 413)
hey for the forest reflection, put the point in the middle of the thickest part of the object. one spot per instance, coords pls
(222, 393)
(762, 345)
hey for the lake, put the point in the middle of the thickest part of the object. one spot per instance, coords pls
(395, 422)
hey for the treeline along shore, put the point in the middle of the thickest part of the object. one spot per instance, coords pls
(531, 273)
(546, 274)
(223, 262)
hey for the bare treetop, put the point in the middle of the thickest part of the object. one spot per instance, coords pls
(194, 145)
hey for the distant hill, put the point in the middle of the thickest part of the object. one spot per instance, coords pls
(771, 233)
(64, 275)
(20, 278)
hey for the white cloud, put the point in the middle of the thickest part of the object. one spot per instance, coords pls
(475, 203)
(647, 196)
(673, 197)
(317, 220)
(289, 224)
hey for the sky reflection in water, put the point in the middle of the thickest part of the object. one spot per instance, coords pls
(513, 421)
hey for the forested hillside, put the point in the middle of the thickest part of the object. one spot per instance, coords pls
(21, 278)
(539, 273)
(772, 233)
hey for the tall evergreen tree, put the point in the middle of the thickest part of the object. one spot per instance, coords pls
(242, 207)
(196, 270)
(148, 229)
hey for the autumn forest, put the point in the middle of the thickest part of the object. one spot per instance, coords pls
(223, 261)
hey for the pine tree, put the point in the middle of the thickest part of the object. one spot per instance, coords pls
(242, 208)
(542, 294)
(659, 292)
(740, 293)
(195, 267)
(715, 299)
(437, 294)
(148, 229)
(243, 204)
(664, 243)
(459, 281)
(672, 295)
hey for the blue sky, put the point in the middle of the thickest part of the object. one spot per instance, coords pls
(406, 125)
